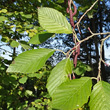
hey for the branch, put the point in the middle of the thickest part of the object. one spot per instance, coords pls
(69, 53)
(101, 60)
(70, 4)
(105, 63)
(81, 41)
(73, 49)
(61, 51)
(94, 34)
(85, 14)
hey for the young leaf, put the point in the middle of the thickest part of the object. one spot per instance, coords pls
(31, 108)
(23, 80)
(28, 92)
(14, 44)
(27, 16)
(59, 75)
(72, 94)
(40, 38)
(24, 45)
(3, 11)
(30, 61)
(2, 18)
(81, 68)
(100, 97)
(53, 21)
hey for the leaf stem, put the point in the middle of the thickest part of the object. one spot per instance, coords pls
(94, 78)
(61, 51)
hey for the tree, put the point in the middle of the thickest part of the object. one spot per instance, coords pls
(67, 84)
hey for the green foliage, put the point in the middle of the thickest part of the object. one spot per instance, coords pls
(30, 61)
(2, 18)
(53, 21)
(81, 68)
(14, 44)
(3, 11)
(60, 1)
(31, 94)
(59, 75)
(25, 79)
(70, 94)
(40, 38)
(100, 97)
(84, 5)
(25, 45)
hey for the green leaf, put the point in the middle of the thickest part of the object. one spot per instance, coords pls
(27, 16)
(32, 75)
(88, 68)
(72, 94)
(60, 1)
(31, 34)
(3, 11)
(30, 61)
(23, 80)
(14, 43)
(25, 45)
(40, 38)
(53, 21)
(100, 97)
(90, 16)
(28, 92)
(29, 26)
(81, 68)
(37, 75)
(39, 1)
(59, 75)
(31, 108)
(5, 39)
(2, 18)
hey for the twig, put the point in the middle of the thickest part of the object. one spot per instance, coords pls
(70, 4)
(77, 24)
(99, 67)
(81, 41)
(74, 49)
(70, 50)
(94, 78)
(106, 37)
(94, 34)
(105, 63)
(86, 13)
(101, 60)
(74, 34)
(69, 53)
(90, 30)
(61, 51)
